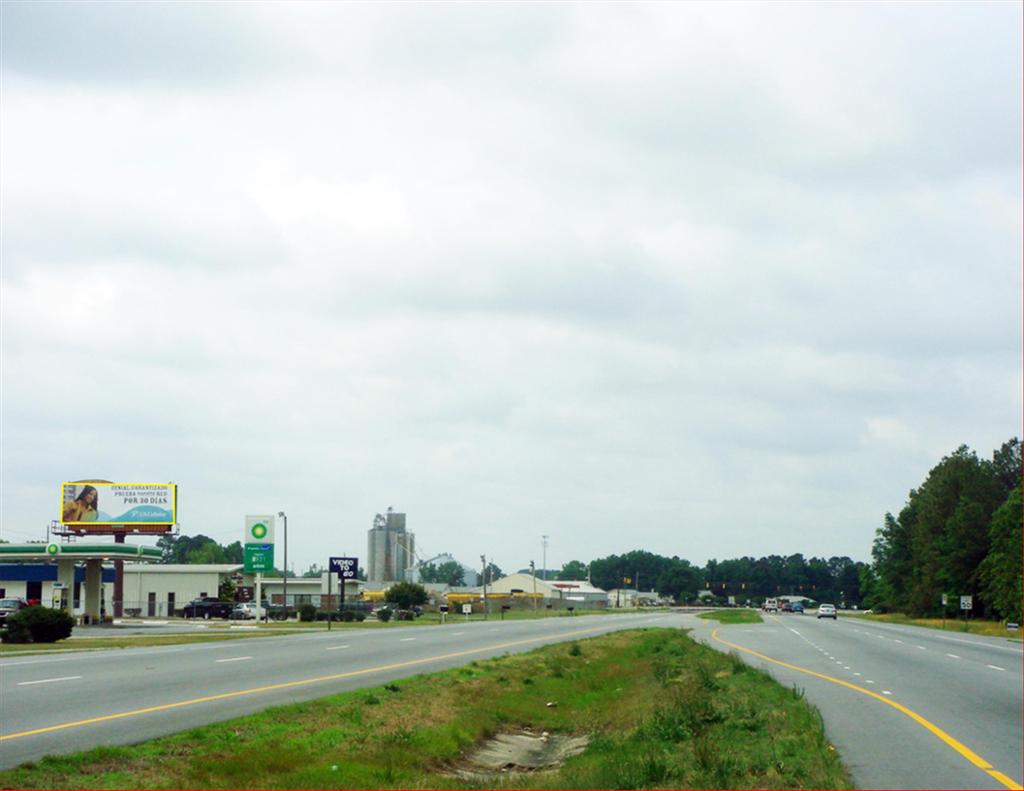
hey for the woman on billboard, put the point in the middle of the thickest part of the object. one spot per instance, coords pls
(83, 508)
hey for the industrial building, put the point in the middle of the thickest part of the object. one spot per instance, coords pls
(567, 593)
(391, 549)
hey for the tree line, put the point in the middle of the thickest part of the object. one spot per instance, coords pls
(958, 534)
(743, 579)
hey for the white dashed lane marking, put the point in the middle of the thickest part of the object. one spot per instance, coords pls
(1002, 669)
(336, 647)
(47, 680)
(952, 656)
(235, 659)
(407, 639)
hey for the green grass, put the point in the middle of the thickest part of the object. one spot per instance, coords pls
(972, 626)
(127, 641)
(222, 630)
(661, 711)
(733, 616)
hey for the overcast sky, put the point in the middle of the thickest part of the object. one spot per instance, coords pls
(707, 280)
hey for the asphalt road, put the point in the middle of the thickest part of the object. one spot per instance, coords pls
(959, 725)
(966, 692)
(62, 704)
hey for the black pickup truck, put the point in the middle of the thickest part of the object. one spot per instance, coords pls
(208, 607)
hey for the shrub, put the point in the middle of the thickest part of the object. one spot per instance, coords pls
(348, 616)
(360, 616)
(384, 615)
(38, 625)
(307, 612)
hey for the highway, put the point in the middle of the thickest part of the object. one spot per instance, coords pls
(906, 707)
(72, 702)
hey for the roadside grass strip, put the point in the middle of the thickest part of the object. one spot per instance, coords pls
(959, 747)
(733, 616)
(656, 709)
(979, 627)
(8, 650)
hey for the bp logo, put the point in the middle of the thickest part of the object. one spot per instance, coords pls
(259, 530)
(52, 549)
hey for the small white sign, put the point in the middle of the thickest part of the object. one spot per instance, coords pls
(467, 609)
(966, 603)
(945, 599)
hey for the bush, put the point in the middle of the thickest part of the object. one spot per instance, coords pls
(307, 612)
(38, 625)
(360, 616)
(348, 616)
(384, 615)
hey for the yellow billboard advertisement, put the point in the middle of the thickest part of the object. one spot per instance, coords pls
(94, 504)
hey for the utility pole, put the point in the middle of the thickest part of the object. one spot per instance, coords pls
(483, 563)
(533, 573)
(544, 558)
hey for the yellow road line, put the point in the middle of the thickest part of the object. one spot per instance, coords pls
(284, 685)
(965, 751)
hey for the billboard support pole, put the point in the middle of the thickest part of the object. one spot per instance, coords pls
(259, 597)
(119, 581)
(330, 615)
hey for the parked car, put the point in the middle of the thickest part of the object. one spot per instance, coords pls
(10, 606)
(243, 612)
(208, 607)
(827, 611)
(787, 607)
(246, 611)
(798, 608)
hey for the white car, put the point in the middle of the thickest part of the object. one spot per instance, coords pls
(827, 611)
(243, 612)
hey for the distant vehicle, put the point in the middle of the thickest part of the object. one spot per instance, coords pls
(799, 608)
(10, 606)
(787, 607)
(246, 611)
(243, 612)
(770, 605)
(827, 611)
(208, 607)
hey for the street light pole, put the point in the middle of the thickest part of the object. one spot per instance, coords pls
(285, 518)
(483, 562)
(544, 559)
(533, 573)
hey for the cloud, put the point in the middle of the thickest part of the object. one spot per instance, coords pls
(712, 280)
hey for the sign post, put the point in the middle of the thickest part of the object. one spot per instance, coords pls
(346, 569)
(966, 603)
(258, 552)
(330, 578)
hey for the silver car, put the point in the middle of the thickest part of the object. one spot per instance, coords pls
(827, 611)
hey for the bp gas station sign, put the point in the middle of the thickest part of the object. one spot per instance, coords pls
(258, 558)
(258, 545)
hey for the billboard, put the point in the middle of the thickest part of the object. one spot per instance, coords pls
(83, 505)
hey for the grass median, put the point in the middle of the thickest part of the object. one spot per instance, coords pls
(733, 616)
(656, 710)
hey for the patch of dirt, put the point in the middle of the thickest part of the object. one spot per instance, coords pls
(516, 753)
